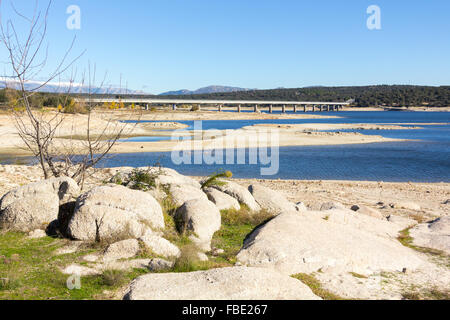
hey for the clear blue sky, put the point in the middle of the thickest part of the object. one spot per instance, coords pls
(161, 45)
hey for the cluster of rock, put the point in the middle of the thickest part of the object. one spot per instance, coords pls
(335, 239)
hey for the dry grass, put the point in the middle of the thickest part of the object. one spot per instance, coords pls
(316, 287)
(426, 294)
(244, 216)
(113, 278)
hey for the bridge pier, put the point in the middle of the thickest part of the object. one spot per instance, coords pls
(220, 107)
(239, 109)
(328, 108)
(271, 109)
(304, 108)
(256, 108)
(284, 108)
(146, 107)
(174, 107)
(295, 108)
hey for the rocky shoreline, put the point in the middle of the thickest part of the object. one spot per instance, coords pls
(362, 251)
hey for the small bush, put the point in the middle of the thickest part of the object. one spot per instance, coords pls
(74, 108)
(244, 216)
(195, 108)
(213, 180)
(188, 261)
(142, 179)
(113, 278)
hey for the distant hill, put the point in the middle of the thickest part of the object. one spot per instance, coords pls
(64, 87)
(205, 90)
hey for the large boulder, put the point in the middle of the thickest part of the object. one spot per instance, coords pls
(36, 205)
(168, 176)
(382, 228)
(222, 200)
(65, 188)
(272, 201)
(114, 212)
(202, 218)
(240, 193)
(160, 246)
(30, 213)
(237, 283)
(182, 193)
(124, 249)
(434, 235)
(306, 243)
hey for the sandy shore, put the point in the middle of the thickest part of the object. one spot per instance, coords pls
(336, 126)
(74, 127)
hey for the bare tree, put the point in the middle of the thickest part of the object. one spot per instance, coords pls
(27, 58)
(76, 155)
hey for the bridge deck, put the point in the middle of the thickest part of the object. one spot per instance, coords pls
(216, 102)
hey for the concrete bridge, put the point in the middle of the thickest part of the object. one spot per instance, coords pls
(239, 105)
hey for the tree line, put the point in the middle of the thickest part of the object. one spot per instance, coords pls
(361, 96)
(365, 96)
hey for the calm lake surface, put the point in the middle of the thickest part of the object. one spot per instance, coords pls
(425, 159)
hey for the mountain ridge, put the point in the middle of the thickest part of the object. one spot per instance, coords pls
(205, 90)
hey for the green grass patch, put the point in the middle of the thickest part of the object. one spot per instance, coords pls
(316, 287)
(30, 270)
(236, 225)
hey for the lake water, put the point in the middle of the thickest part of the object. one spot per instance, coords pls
(425, 159)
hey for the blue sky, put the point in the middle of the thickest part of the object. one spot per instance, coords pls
(161, 45)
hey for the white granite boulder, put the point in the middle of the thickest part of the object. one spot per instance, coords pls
(160, 246)
(240, 193)
(237, 283)
(111, 211)
(36, 205)
(222, 200)
(306, 243)
(202, 218)
(124, 249)
(272, 201)
(434, 235)
(182, 193)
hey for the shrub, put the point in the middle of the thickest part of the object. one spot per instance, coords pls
(244, 216)
(213, 180)
(142, 179)
(73, 108)
(113, 278)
